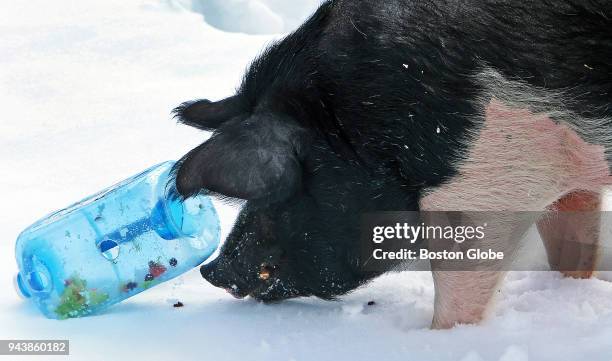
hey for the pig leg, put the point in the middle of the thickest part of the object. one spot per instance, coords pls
(571, 233)
(462, 296)
(464, 288)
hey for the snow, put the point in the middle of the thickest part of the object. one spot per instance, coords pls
(86, 88)
(252, 16)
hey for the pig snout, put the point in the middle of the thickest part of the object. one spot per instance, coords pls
(221, 277)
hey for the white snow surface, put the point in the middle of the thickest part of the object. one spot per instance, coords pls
(252, 16)
(86, 89)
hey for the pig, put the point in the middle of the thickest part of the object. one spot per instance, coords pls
(408, 105)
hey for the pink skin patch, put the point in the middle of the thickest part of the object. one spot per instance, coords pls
(521, 161)
(518, 161)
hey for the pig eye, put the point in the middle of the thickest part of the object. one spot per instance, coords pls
(265, 271)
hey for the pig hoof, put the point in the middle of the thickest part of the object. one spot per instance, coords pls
(578, 274)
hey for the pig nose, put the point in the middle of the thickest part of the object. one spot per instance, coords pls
(210, 273)
(218, 278)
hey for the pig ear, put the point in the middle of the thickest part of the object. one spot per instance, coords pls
(253, 159)
(207, 115)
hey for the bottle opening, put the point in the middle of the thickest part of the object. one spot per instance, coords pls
(35, 277)
(20, 287)
(38, 281)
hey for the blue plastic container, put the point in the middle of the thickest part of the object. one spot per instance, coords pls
(113, 245)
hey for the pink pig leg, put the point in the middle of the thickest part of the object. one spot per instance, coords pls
(462, 297)
(571, 233)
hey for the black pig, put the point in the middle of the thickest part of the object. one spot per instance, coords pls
(405, 105)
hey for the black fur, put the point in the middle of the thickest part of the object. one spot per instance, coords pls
(342, 117)
(206, 115)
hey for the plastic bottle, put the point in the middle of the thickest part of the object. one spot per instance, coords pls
(113, 245)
